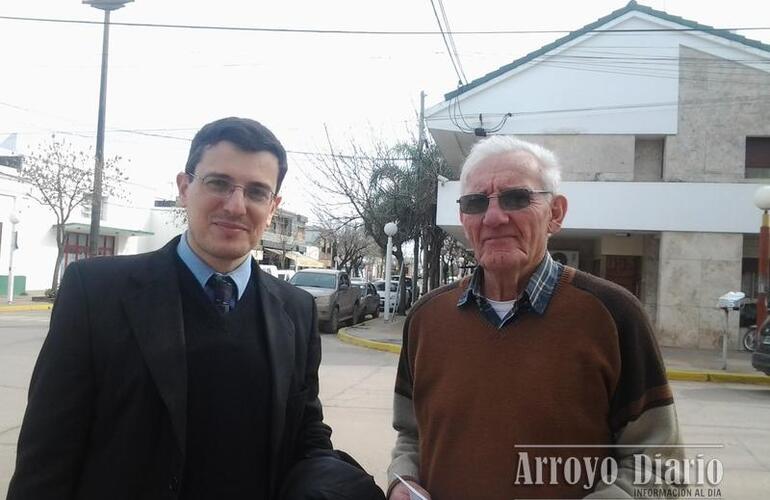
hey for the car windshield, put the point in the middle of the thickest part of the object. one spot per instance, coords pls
(317, 280)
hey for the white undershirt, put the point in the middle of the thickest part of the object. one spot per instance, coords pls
(502, 307)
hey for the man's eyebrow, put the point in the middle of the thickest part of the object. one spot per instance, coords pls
(260, 184)
(219, 176)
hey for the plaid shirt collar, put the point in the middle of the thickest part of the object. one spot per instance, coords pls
(536, 296)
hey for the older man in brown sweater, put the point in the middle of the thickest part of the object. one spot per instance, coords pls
(528, 379)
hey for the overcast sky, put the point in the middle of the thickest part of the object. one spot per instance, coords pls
(169, 82)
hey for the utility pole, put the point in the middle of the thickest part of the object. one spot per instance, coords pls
(426, 231)
(96, 196)
(420, 174)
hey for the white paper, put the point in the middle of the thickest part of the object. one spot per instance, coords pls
(413, 493)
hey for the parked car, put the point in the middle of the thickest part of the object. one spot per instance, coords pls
(760, 359)
(335, 299)
(380, 286)
(370, 299)
(394, 293)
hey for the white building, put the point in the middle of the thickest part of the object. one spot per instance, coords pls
(127, 226)
(663, 131)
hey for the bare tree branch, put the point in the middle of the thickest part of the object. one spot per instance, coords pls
(62, 180)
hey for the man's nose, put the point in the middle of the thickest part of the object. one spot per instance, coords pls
(494, 216)
(236, 202)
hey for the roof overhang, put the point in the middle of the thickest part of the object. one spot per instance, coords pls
(304, 260)
(78, 227)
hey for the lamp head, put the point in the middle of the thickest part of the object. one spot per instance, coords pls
(107, 4)
(391, 228)
(762, 198)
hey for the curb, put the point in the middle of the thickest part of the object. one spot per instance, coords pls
(27, 307)
(718, 377)
(680, 375)
(739, 378)
(344, 336)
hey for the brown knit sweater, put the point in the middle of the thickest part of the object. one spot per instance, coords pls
(481, 397)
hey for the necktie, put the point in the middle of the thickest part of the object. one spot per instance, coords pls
(223, 288)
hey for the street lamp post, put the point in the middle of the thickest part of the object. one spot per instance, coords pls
(390, 229)
(762, 201)
(96, 197)
(14, 220)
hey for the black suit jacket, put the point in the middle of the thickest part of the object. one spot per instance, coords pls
(106, 416)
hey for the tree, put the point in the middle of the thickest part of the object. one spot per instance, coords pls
(451, 254)
(380, 184)
(351, 244)
(62, 180)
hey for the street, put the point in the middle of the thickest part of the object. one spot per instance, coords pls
(356, 389)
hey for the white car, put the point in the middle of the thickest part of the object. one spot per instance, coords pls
(380, 286)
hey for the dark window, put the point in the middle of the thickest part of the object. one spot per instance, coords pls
(757, 157)
(11, 161)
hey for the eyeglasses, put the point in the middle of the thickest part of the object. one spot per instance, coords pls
(223, 188)
(509, 200)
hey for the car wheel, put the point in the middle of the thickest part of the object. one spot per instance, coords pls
(750, 339)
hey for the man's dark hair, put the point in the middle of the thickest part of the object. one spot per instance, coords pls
(248, 135)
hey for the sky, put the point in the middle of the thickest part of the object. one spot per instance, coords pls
(164, 84)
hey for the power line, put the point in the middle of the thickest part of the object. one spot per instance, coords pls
(455, 64)
(320, 31)
(696, 102)
(154, 133)
(451, 39)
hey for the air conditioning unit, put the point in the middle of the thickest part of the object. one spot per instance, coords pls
(569, 258)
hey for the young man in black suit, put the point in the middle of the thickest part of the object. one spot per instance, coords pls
(186, 372)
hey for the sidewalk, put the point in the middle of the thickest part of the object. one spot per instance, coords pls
(23, 303)
(696, 365)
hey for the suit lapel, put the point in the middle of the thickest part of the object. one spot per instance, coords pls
(154, 311)
(279, 334)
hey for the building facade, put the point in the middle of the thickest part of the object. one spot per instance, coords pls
(662, 138)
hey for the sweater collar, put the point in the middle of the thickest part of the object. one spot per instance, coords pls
(536, 296)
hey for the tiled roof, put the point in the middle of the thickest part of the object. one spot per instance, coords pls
(630, 7)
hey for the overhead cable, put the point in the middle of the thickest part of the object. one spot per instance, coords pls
(374, 32)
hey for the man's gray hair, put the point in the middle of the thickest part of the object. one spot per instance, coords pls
(550, 170)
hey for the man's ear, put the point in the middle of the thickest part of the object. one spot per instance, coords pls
(182, 183)
(558, 212)
(269, 219)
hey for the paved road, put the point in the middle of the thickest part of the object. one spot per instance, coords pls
(356, 388)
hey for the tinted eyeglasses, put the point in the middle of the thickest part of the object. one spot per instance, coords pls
(509, 200)
(221, 187)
